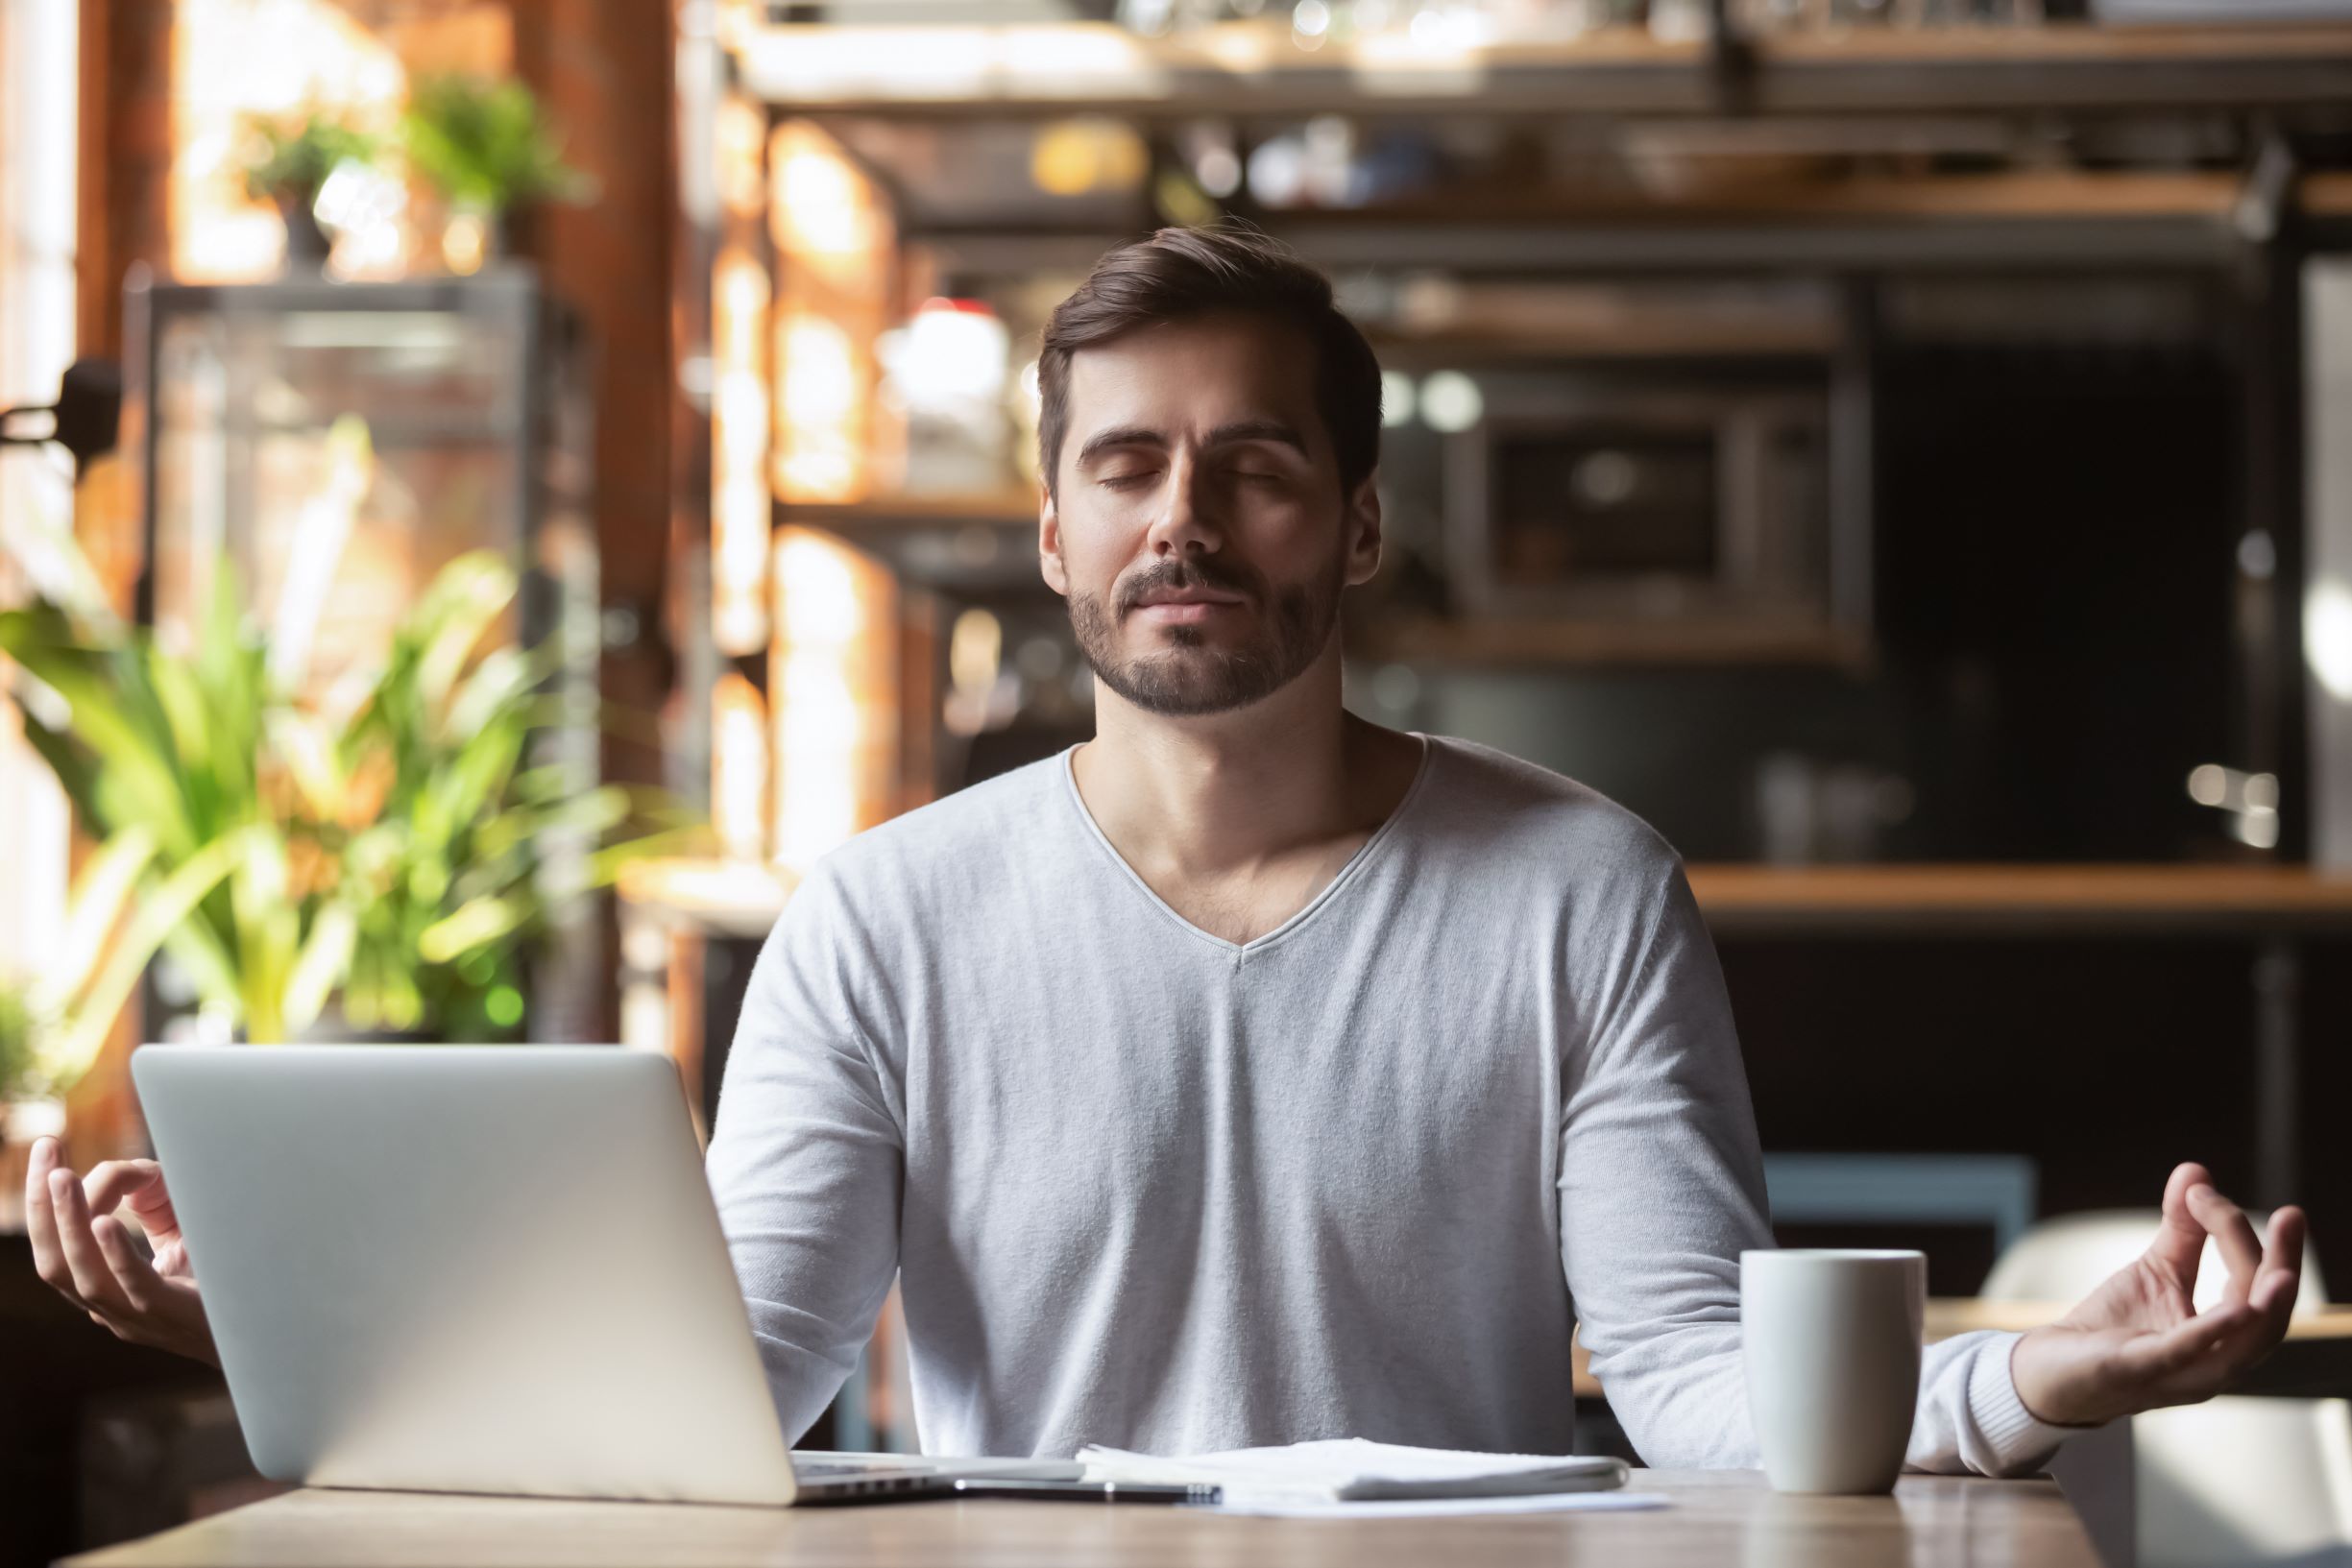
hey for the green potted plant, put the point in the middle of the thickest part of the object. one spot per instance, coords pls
(288, 161)
(488, 148)
(450, 850)
(394, 869)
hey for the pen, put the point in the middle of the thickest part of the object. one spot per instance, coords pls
(1089, 1492)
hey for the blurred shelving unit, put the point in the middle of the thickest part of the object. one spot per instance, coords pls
(1681, 171)
(1701, 103)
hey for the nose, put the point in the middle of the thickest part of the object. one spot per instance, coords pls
(1187, 522)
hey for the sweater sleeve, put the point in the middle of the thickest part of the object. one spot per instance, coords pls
(806, 1159)
(1662, 1185)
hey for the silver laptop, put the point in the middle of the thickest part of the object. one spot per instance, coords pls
(480, 1269)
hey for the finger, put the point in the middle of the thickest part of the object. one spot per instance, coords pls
(2218, 1362)
(2187, 1347)
(2241, 1349)
(2274, 1306)
(2233, 1234)
(141, 1285)
(169, 1314)
(2282, 1255)
(151, 1203)
(139, 1184)
(41, 1220)
(2180, 1241)
(113, 1183)
(94, 1281)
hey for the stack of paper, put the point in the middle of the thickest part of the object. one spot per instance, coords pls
(1351, 1469)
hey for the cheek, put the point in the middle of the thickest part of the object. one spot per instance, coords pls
(1103, 534)
(1292, 540)
(1089, 562)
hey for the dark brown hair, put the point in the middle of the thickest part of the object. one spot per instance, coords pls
(1180, 273)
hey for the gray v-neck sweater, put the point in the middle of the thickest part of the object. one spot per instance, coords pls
(1361, 1176)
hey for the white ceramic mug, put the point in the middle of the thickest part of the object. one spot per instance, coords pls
(1831, 1341)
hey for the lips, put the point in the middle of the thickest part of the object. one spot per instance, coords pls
(1183, 612)
(1187, 606)
(1185, 597)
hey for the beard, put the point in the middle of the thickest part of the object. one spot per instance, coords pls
(1189, 678)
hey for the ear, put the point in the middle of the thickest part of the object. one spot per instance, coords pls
(1362, 523)
(1049, 545)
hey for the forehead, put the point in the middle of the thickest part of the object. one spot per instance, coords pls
(1194, 375)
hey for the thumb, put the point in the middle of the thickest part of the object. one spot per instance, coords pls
(152, 1202)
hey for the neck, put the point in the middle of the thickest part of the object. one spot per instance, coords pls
(1220, 793)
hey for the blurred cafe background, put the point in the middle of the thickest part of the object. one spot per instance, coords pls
(494, 489)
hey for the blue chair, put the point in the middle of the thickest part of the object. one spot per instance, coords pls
(1998, 1190)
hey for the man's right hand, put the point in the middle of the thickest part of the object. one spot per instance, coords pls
(84, 1251)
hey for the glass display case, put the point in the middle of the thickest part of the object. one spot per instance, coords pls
(335, 445)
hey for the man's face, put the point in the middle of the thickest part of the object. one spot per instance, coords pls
(1197, 527)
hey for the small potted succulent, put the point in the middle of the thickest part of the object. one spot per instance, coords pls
(288, 162)
(490, 153)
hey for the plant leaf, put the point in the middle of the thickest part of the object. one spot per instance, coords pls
(78, 1044)
(325, 959)
(93, 909)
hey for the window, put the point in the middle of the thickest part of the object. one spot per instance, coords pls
(38, 79)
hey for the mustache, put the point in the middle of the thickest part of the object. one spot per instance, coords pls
(1178, 575)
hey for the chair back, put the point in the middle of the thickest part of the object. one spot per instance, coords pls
(2067, 1258)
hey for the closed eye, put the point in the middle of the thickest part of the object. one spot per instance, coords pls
(1125, 481)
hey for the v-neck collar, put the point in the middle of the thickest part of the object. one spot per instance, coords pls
(1330, 889)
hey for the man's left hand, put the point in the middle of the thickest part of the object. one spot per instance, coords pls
(2137, 1343)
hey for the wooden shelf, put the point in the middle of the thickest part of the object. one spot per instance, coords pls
(2009, 899)
(1254, 69)
(2012, 194)
(1737, 222)
(744, 898)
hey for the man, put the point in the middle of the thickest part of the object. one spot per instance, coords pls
(1251, 1073)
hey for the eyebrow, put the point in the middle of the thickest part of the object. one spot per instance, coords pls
(1240, 431)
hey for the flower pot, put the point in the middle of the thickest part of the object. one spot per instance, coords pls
(306, 243)
(332, 1028)
(474, 238)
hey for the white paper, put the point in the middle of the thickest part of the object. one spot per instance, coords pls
(1441, 1508)
(1351, 1469)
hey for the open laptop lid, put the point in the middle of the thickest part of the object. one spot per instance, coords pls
(480, 1269)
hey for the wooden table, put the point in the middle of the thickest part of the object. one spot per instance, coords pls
(2316, 1363)
(1724, 1517)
